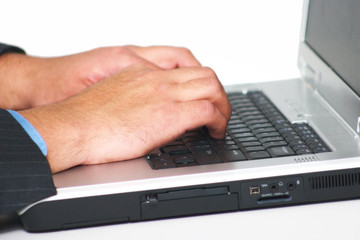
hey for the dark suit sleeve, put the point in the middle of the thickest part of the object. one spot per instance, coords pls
(4, 48)
(25, 175)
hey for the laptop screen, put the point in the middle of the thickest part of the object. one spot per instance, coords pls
(333, 32)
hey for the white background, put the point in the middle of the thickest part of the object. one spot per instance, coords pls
(243, 41)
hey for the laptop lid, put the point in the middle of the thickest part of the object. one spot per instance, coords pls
(329, 55)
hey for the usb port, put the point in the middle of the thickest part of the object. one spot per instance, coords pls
(254, 190)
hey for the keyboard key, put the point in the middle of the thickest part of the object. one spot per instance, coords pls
(174, 150)
(236, 126)
(254, 149)
(305, 132)
(257, 121)
(240, 110)
(304, 151)
(221, 147)
(186, 159)
(312, 141)
(227, 140)
(242, 135)
(237, 129)
(278, 121)
(280, 151)
(162, 165)
(246, 139)
(293, 138)
(206, 157)
(260, 125)
(318, 145)
(296, 142)
(235, 122)
(320, 149)
(275, 144)
(160, 161)
(250, 144)
(237, 104)
(286, 130)
(290, 134)
(267, 134)
(249, 113)
(264, 130)
(309, 136)
(200, 148)
(271, 139)
(302, 126)
(233, 155)
(254, 117)
(258, 155)
(299, 147)
(283, 125)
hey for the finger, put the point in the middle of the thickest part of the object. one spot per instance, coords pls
(167, 57)
(202, 113)
(202, 89)
(179, 75)
(132, 58)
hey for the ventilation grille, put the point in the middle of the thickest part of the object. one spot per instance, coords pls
(305, 158)
(335, 181)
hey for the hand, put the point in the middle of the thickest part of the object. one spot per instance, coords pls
(32, 81)
(129, 114)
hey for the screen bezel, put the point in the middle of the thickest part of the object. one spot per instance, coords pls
(339, 97)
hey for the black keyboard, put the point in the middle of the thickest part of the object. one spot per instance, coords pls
(256, 130)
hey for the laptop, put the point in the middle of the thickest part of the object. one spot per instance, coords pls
(288, 142)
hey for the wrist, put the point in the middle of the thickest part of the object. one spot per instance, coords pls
(61, 135)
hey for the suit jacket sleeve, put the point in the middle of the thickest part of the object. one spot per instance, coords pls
(25, 175)
(4, 48)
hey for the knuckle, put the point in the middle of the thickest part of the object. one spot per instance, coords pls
(160, 88)
(214, 84)
(209, 71)
(214, 88)
(120, 49)
(206, 108)
(185, 51)
(117, 50)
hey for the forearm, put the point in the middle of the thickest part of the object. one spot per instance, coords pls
(14, 91)
(28, 81)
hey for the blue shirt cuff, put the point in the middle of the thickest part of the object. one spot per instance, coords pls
(31, 131)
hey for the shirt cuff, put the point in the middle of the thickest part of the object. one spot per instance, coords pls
(31, 131)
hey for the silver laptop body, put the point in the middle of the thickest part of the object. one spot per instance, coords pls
(132, 191)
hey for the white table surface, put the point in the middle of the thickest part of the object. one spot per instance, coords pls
(242, 40)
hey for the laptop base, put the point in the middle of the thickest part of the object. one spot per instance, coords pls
(194, 200)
